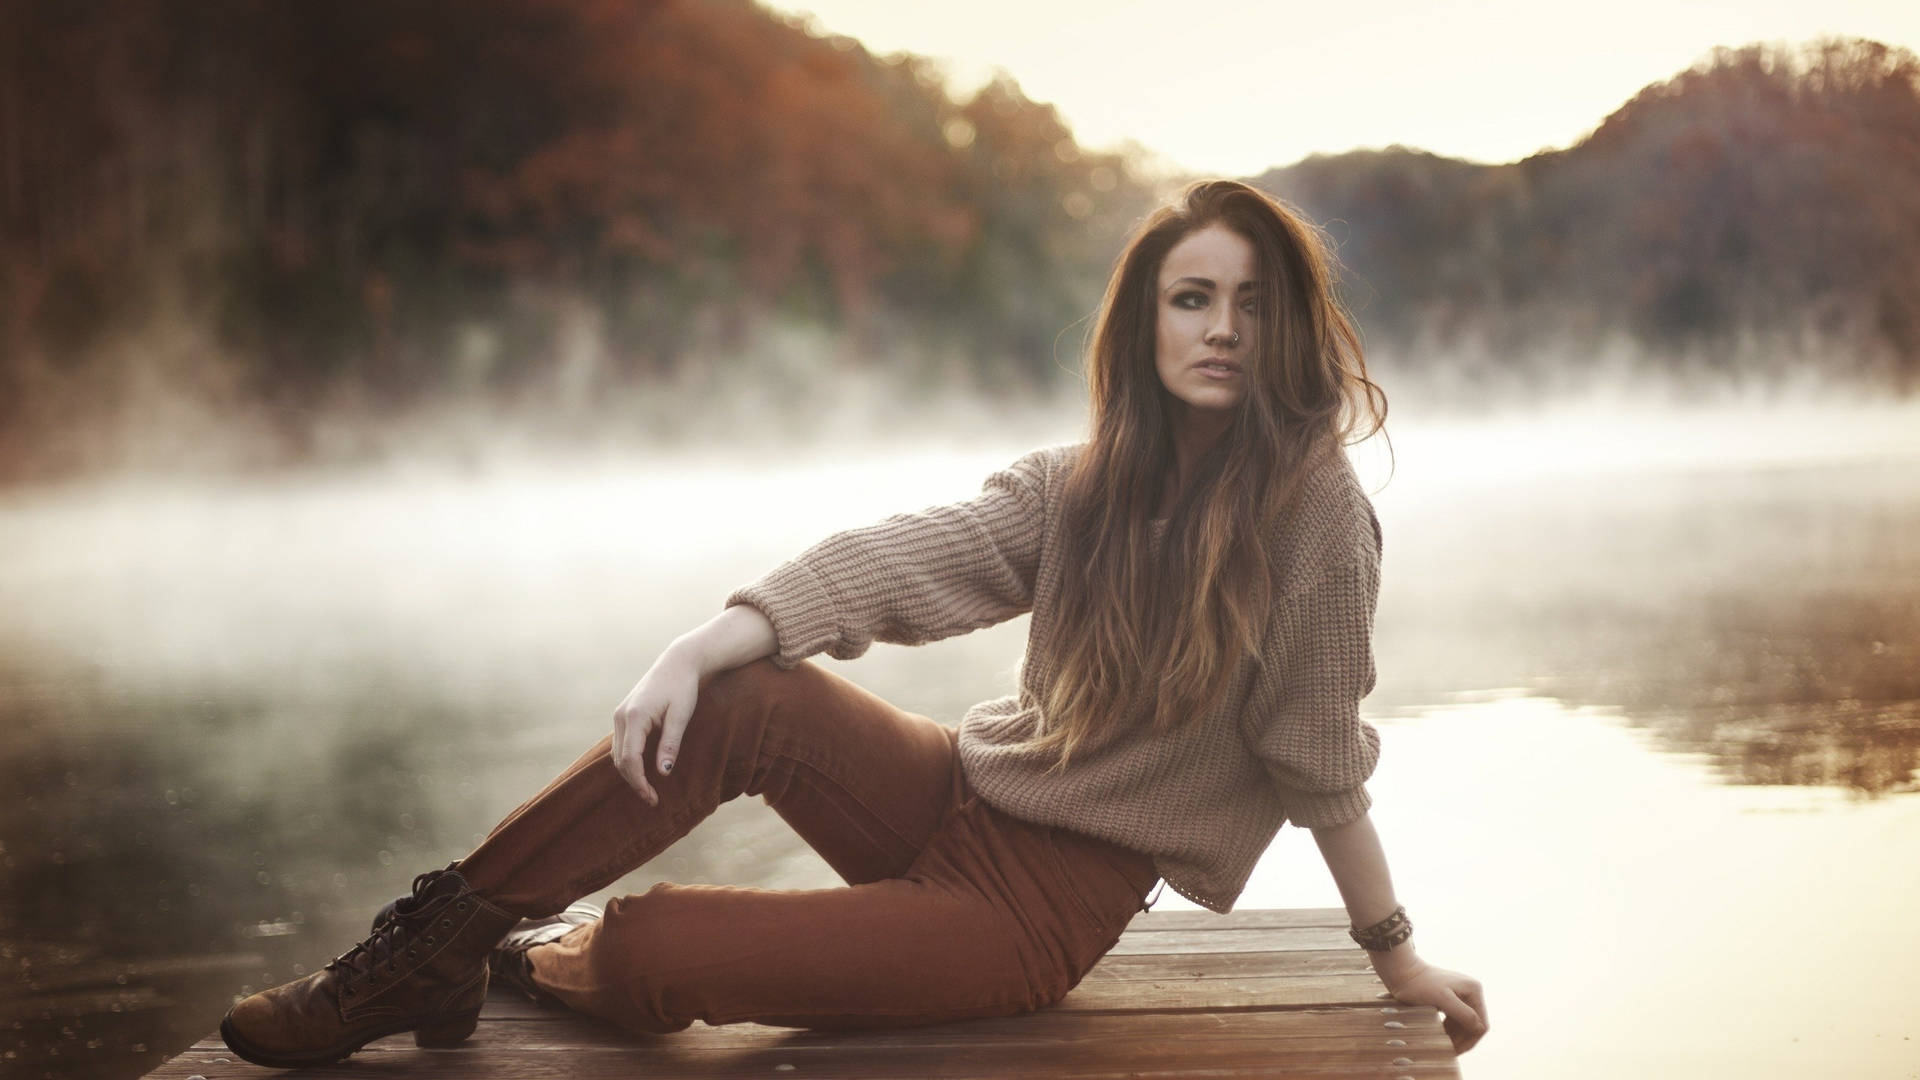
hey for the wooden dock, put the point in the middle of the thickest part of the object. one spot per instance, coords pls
(1255, 993)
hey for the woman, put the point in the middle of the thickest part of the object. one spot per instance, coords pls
(1202, 575)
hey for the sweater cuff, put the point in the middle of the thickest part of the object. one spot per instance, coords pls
(796, 602)
(1325, 809)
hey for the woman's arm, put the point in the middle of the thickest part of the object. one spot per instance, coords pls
(1359, 868)
(911, 578)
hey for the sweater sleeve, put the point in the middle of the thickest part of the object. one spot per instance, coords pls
(1303, 720)
(911, 578)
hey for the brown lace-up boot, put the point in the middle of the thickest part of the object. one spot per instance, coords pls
(423, 970)
(507, 963)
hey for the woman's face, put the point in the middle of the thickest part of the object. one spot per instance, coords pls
(1205, 320)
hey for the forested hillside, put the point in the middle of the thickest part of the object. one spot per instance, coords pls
(284, 214)
(362, 206)
(1758, 212)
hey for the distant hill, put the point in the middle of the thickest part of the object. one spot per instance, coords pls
(1759, 210)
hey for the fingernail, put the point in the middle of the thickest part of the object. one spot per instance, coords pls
(666, 766)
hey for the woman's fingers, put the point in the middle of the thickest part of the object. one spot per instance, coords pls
(1457, 1033)
(1474, 996)
(629, 749)
(1451, 1004)
(678, 713)
(1464, 1024)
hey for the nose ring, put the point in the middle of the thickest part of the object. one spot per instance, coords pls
(1235, 339)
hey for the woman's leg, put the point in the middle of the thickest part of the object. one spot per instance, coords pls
(864, 783)
(995, 916)
(954, 909)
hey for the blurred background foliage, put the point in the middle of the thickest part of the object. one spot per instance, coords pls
(293, 220)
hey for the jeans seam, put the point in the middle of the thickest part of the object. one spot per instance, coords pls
(627, 858)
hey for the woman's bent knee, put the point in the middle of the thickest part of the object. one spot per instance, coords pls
(754, 683)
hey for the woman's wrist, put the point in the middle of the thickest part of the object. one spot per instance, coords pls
(1396, 965)
(688, 649)
(737, 636)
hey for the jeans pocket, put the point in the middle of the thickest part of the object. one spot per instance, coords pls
(1066, 875)
(1094, 884)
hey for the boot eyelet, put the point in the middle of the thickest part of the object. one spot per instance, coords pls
(461, 906)
(429, 940)
(446, 922)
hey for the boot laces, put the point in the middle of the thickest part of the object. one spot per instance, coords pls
(384, 945)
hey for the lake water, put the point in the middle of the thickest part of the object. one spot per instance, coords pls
(1650, 703)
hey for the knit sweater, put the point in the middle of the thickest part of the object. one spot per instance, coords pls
(1204, 798)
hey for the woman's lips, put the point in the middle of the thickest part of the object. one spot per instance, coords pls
(1214, 367)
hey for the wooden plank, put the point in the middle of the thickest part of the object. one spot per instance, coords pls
(1214, 995)
(1349, 961)
(1147, 995)
(1348, 1026)
(1305, 939)
(1250, 919)
(1191, 969)
(1339, 1043)
(1258, 993)
(1180, 981)
(1255, 1057)
(1247, 1058)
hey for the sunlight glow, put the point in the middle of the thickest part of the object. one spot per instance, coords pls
(1237, 87)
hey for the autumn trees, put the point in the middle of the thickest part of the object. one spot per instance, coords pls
(276, 212)
(384, 203)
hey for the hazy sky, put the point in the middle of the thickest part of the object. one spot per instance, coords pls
(1234, 86)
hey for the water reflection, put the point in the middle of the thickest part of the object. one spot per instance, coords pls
(152, 853)
(1630, 915)
(165, 850)
(1867, 748)
(1768, 617)
(242, 717)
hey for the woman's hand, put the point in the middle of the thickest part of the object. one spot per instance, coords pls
(662, 700)
(1457, 996)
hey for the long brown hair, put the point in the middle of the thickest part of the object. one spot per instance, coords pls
(1178, 623)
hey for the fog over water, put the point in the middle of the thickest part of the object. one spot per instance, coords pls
(1650, 694)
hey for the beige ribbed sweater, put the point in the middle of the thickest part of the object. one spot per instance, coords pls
(1205, 799)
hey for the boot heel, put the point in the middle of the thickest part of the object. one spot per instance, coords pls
(447, 1032)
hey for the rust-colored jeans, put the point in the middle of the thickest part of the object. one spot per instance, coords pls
(952, 909)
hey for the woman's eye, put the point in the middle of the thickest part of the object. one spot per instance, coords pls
(1250, 306)
(1191, 300)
